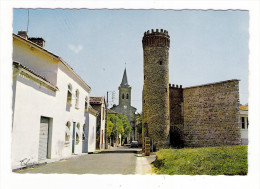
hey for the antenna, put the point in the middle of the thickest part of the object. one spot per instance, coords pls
(27, 22)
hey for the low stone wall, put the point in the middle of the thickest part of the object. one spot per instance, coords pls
(211, 114)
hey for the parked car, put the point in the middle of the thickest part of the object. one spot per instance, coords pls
(134, 144)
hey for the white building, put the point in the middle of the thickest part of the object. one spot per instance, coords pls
(99, 104)
(51, 112)
(244, 124)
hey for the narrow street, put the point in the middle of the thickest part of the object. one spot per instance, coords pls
(119, 161)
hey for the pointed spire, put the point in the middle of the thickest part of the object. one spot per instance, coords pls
(124, 82)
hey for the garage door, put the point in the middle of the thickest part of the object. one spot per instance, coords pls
(43, 139)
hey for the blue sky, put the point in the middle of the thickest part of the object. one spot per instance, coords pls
(206, 46)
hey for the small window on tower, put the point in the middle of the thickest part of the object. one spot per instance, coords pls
(126, 96)
(123, 96)
(160, 62)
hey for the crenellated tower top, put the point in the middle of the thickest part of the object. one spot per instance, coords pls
(156, 38)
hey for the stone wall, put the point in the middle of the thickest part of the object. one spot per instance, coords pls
(211, 114)
(156, 121)
(176, 116)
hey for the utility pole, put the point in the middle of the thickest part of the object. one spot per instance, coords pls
(106, 137)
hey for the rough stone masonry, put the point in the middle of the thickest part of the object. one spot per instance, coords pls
(156, 121)
(198, 116)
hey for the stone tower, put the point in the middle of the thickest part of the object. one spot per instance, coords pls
(156, 122)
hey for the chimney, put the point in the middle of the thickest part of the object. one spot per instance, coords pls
(38, 40)
(23, 34)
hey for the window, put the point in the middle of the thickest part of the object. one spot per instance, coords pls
(126, 96)
(123, 96)
(86, 104)
(247, 123)
(69, 94)
(83, 133)
(67, 132)
(77, 133)
(77, 99)
(160, 62)
(243, 122)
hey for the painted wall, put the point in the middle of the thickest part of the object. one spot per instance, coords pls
(31, 101)
(35, 60)
(102, 128)
(89, 145)
(244, 131)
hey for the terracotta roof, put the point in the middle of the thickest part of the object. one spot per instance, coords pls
(93, 111)
(18, 64)
(97, 100)
(53, 55)
(245, 108)
(36, 38)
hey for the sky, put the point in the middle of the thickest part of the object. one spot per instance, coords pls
(206, 45)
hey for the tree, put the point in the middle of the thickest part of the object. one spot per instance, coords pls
(118, 124)
(126, 126)
(109, 128)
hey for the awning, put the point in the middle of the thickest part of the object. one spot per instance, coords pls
(67, 131)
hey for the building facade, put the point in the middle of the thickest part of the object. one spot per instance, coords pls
(51, 116)
(124, 107)
(99, 104)
(244, 124)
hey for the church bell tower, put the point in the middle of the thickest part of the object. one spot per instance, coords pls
(124, 93)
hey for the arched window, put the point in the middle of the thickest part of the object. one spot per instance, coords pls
(77, 99)
(77, 133)
(126, 96)
(67, 132)
(83, 133)
(123, 96)
(69, 94)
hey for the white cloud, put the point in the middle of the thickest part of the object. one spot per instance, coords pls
(74, 48)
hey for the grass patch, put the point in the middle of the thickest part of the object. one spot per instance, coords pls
(202, 161)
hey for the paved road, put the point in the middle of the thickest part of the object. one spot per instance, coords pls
(102, 163)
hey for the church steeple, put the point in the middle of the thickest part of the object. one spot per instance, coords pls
(124, 83)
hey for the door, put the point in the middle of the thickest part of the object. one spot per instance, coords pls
(102, 136)
(73, 137)
(43, 138)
